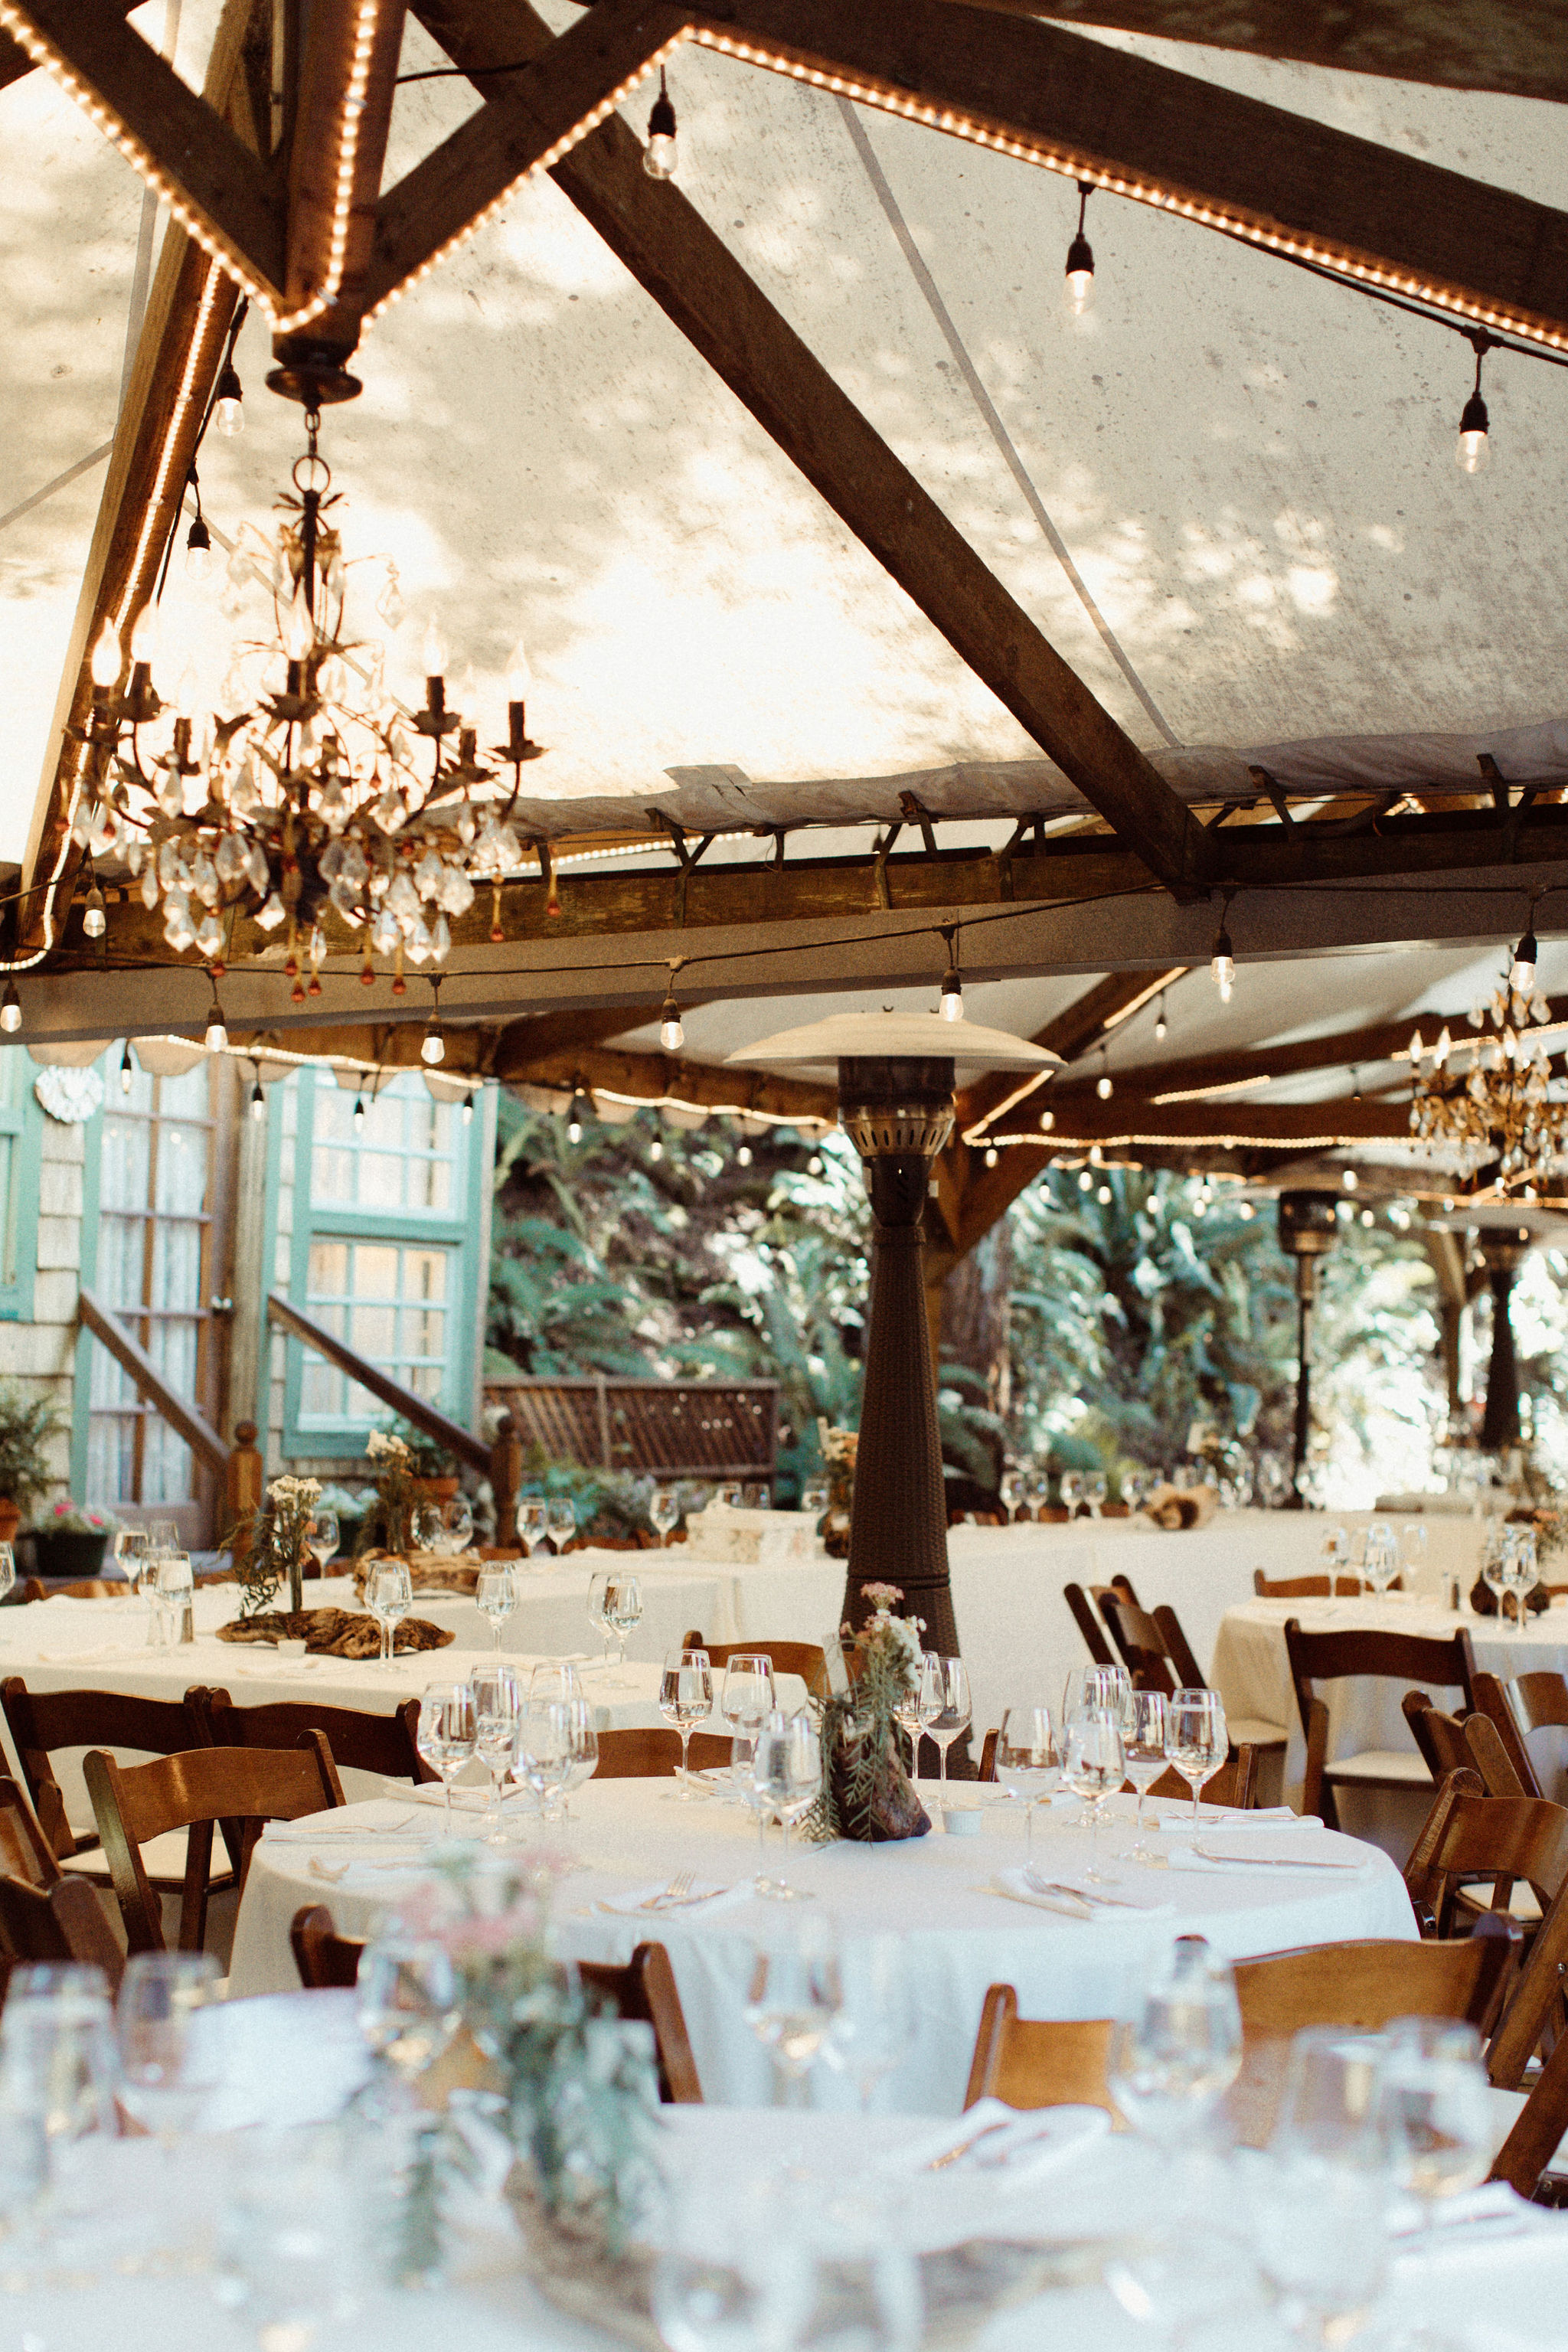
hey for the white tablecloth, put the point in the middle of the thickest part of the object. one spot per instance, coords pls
(956, 1937)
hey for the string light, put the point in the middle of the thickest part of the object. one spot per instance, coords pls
(582, 1108)
(1222, 958)
(1526, 957)
(952, 1007)
(671, 1029)
(125, 1071)
(1474, 448)
(10, 1010)
(1161, 1023)
(257, 1102)
(433, 1045)
(991, 1156)
(1103, 1085)
(198, 552)
(1047, 1121)
(216, 1037)
(95, 919)
(228, 402)
(660, 156)
(359, 1110)
(468, 1108)
(1079, 282)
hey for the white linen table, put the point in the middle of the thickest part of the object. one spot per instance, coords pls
(932, 1893)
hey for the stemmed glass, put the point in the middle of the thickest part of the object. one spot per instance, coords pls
(407, 2002)
(920, 1704)
(323, 1536)
(1143, 1749)
(560, 1520)
(746, 1698)
(1337, 1552)
(497, 1705)
(623, 1615)
(1171, 2062)
(953, 1717)
(1320, 2220)
(445, 1734)
(793, 2001)
(814, 1498)
(1029, 1762)
(1038, 1487)
(1413, 1548)
(1010, 1493)
(175, 1589)
(495, 1596)
(533, 1524)
(581, 1747)
(1381, 1559)
(786, 1771)
(167, 2067)
(546, 1746)
(1137, 1486)
(1071, 1491)
(1526, 1572)
(162, 1534)
(389, 1597)
(1197, 1741)
(1093, 1764)
(1096, 1488)
(685, 1700)
(874, 2036)
(664, 1511)
(599, 1585)
(1434, 2104)
(1495, 1571)
(130, 1554)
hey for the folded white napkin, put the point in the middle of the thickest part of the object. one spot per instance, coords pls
(996, 2138)
(96, 1656)
(704, 1899)
(376, 1817)
(1217, 1817)
(1277, 1864)
(1076, 1900)
(472, 1801)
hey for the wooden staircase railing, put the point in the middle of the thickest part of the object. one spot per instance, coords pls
(411, 1408)
(238, 1466)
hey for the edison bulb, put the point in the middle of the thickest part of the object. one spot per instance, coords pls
(432, 1047)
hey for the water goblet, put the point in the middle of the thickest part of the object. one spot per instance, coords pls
(815, 1497)
(1010, 1493)
(389, 1597)
(445, 1735)
(497, 1705)
(1197, 1741)
(582, 1749)
(920, 1704)
(457, 1526)
(1173, 2060)
(1322, 2234)
(1413, 1550)
(1526, 1572)
(560, 1520)
(532, 1523)
(685, 1700)
(58, 2059)
(1137, 1486)
(664, 1511)
(168, 2067)
(623, 1614)
(1143, 1746)
(175, 1588)
(953, 1716)
(746, 1698)
(793, 2000)
(1495, 1569)
(599, 1585)
(1038, 1488)
(1093, 1764)
(544, 1752)
(787, 1773)
(1029, 1761)
(162, 1534)
(1337, 1552)
(1096, 1488)
(495, 1596)
(427, 1526)
(1434, 2105)
(873, 2034)
(129, 1553)
(406, 2000)
(1070, 1489)
(323, 1536)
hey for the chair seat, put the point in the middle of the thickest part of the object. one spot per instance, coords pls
(1381, 1768)
(164, 1858)
(1253, 1731)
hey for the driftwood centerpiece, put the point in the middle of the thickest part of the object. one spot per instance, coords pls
(426, 1574)
(334, 1632)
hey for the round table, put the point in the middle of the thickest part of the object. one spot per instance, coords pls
(933, 1895)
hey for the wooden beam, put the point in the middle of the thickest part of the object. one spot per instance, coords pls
(14, 62)
(449, 1433)
(177, 358)
(1075, 1031)
(335, 158)
(649, 1077)
(517, 1048)
(1455, 44)
(532, 118)
(699, 284)
(1179, 143)
(219, 192)
(179, 1411)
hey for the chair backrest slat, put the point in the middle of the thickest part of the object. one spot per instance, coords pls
(42, 1721)
(1504, 1838)
(1140, 1640)
(326, 1960)
(1029, 2062)
(1368, 1984)
(805, 1659)
(645, 1754)
(1088, 1624)
(24, 1852)
(644, 1992)
(360, 1742)
(1529, 1703)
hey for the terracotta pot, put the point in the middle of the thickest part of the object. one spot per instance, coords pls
(10, 1519)
(437, 1490)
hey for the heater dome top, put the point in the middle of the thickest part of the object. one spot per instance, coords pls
(816, 1049)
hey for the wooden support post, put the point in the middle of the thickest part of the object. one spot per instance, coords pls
(506, 1476)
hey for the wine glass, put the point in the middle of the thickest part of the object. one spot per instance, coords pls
(1337, 1552)
(732, 1497)
(1197, 1741)
(426, 1527)
(1413, 1549)
(623, 1614)
(1093, 1764)
(545, 1748)
(599, 1585)
(920, 1704)
(560, 1520)
(1029, 1761)
(175, 1589)
(162, 1534)
(874, 2032)
(1434, 2101)
(129, 1553)
(1144, 1748)
(322, 1537)
(685, 1700)
(1096, 1488)
(794, 1999)
(952, 1718)
(58, 2057)
(1137, 1486)
(1382, 1557)
(815, 1497)
(786, 1771)
(1097, 1690)
(1010, 1493)
(581, 1747)
(407, 2002)
(457, 1514)
(168, 2068)
(532, 1523)
(746, 1698)
(389, 1597)
(1526, 1571)
(664, 1510)
(497, 1705)
(495, 1596)
(1320, 2220)
(1071, 1491)
(1494, 1574)
(445, 1735)
(1173, 2060)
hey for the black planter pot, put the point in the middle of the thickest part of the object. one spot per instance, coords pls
(64, 1554)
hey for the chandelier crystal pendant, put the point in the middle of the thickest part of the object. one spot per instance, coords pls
(317, 794)
(1491, 1097)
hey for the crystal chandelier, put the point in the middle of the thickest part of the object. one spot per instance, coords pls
(1492, 1097)
(315, 789)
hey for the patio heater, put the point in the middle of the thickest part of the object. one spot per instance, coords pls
(1307, 1222)
(895, 1073)
(1502, 1253)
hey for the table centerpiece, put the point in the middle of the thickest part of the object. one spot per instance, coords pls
(866, 1794)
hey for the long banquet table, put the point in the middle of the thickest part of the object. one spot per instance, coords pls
(955, 1936)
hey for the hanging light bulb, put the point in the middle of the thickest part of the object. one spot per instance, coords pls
(94, 919)
(125, 1069)
(257, 1102)
(991, 1156)
(1474, 448)
(10, 1010)
(656, 1150)
(1161, 1023)
(582, 1108)
(228, 408)
(1222, 961)
(198, 552)
(1080, 286)
(216, 1037)
(359, 1110)
(106, 656)
(433, 1045)
(660, 156)
(1103, 1086)
(468, 1110)
(671, 1030)
(1047, 1121)
(1526, 957)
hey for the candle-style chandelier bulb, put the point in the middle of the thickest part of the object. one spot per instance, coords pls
(671, 1030)
(146, 633)
(519, 676)
(1079, 280)
(106, 654)
(125, 1069)
(228, 408)
(257, 1102)
(660, 156)
(1526, 957)
(299, 628)
(434, 651)
(94, 916)
(198, 552)
(10, 1010)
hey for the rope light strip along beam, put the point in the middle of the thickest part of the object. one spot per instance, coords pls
(1053, 1146)
(1340, 260)
(350, 47)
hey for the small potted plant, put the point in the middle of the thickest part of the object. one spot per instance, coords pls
(435, 1471)
(69, 1538)
(27, 1425)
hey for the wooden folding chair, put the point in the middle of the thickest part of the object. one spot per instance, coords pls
(1088, 1624)
(1029, 2062)
(802, 1658)
(1423, 1660)
(360, 1742)
(646, 1755)
(645, 1991)
(42, 1721)
(1537, 1701)
(1366, 1985)
(1158, 1657)
(1469, 1837)
(249, 1786)
(62, 1921)
(24, 1852)
(1309, 1587)
(326, 1961)
(1525, 2156)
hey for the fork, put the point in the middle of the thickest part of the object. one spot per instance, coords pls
(1080, 1893)
(677, 1891)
